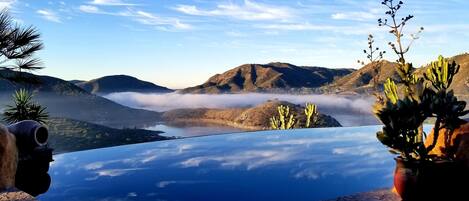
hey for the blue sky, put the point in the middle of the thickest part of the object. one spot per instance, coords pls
(179, 43)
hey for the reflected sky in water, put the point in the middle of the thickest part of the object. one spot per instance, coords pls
(307, 164)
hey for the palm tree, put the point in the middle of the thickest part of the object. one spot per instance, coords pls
(17, 48)
(24, 109)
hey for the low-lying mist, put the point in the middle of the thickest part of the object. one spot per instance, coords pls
(348, 110)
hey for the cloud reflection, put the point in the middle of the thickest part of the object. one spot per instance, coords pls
(250, 159)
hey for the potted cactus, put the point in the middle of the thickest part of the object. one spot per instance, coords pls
(403, 115)
(405, 105)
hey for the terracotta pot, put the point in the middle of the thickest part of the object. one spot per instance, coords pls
(429, 180)
(406, 177)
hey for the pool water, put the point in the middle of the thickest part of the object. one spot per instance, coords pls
(303, 164)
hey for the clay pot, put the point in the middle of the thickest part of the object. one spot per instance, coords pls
(406, 177)
(429, 180)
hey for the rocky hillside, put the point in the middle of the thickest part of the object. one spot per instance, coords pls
(363, 80)
(68, 135)
(120, 83)
(267, 78)
(64, 99)
(255, 118)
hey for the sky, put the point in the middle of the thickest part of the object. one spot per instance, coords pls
(178, 43)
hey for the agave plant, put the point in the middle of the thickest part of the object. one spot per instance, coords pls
(24, 109)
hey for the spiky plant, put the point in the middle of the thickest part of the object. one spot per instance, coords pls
(285, 119)
(24, 109)
(17, 47)
(311, 113)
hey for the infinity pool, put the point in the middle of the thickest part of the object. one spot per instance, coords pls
(305, 164)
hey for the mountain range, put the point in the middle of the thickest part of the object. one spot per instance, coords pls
(119, 83)
(270, 77)
(64, 99)
(288, 78)
(362, 80)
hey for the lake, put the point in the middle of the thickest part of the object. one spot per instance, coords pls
(303, 164)
(191, 130)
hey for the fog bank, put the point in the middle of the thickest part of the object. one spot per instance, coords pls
(349, 110)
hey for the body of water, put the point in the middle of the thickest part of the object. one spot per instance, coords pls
(192, 130)
(304, 164)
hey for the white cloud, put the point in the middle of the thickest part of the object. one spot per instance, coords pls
(236, 34)
(362, 29)
(357, 16)
(89, 9)
(157, 21)
(146, 18)
(49, 15)
(296, 27)
(248, 11)
(6, 4)
(111, 3)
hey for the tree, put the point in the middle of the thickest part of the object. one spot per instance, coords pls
(17, 47)
(24, 109)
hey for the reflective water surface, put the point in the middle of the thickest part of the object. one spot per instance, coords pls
(307, 164)
(192, 130)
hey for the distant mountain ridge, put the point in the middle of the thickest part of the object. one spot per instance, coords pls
(64, 99)
(268, 78)
(362, 80)
(120, 83)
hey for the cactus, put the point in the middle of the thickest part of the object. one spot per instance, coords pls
(441, 73)
(274, 123)
(390, 90)
(310, 110)
(284, 121)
